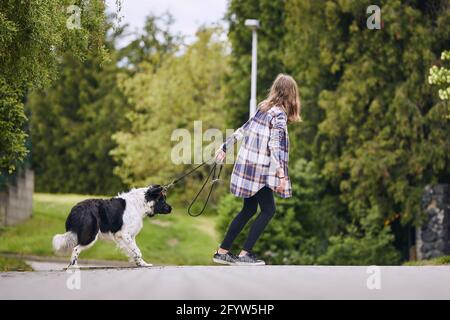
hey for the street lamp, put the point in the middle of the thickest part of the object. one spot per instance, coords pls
(253, 25)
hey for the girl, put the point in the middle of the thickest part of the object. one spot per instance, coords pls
(261, 166)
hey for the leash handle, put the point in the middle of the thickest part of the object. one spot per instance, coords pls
(213, 182)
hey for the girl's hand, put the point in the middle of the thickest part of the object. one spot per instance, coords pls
(220, 156)
(282, 185)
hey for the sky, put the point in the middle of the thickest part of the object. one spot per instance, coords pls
(189, 15)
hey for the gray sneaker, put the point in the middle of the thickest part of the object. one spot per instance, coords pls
(226, 258)
(249, 260)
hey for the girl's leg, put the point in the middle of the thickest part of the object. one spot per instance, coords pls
(266, 202)
(236, 226)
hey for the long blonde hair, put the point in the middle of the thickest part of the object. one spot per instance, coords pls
(284, 94)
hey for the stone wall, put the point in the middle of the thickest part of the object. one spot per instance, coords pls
(16, 202)
(432, 237)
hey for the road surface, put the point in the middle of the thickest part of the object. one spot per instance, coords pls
(224, 282)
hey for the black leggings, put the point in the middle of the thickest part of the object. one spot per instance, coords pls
(264, 198)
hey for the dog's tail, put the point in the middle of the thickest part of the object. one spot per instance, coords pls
(64, 243)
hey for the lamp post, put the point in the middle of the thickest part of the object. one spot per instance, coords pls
(253, 25)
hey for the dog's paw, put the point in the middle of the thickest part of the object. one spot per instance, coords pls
(143, 264)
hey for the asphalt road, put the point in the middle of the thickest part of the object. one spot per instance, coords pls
(237, 282)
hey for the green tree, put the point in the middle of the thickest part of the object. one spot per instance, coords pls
(381, 139)
(187, 87)
(32, 35)
(72, 123)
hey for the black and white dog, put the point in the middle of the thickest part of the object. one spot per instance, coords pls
(119, 218)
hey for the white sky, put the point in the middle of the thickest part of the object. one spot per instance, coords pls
(189, 15)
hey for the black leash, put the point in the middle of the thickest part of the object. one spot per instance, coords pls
(214, 179)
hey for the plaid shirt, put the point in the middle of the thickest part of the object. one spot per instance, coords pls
(264, 149)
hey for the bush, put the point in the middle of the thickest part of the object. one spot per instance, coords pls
(358, 248)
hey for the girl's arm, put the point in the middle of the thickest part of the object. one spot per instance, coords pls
(277, 130)
(237, 135)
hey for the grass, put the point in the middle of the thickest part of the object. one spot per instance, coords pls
(13, 264)
(432, 262)
(175, 239)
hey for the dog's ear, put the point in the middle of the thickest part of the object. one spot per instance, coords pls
(153, 192)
